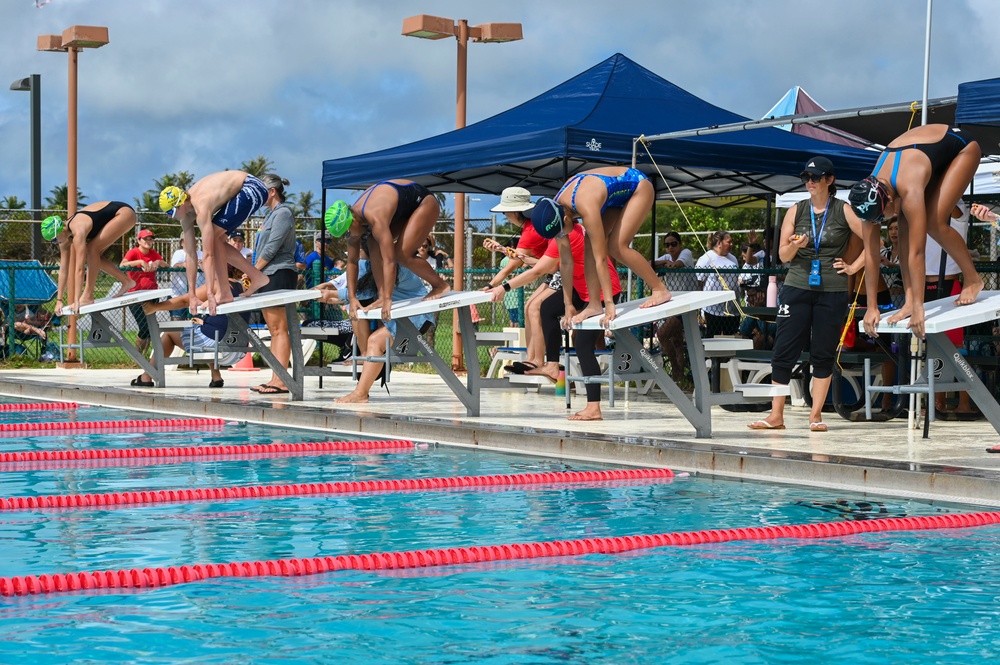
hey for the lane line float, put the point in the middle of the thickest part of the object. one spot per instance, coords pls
(149, 578)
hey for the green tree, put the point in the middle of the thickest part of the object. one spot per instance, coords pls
(303, 203)
(58, 198)
(13, 203)
(257, 166)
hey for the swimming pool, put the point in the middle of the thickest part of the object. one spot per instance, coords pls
(918, 597)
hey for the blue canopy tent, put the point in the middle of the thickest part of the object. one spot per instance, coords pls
(591, 121)
(978, 113)
(22, 283)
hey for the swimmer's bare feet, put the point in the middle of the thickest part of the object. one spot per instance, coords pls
(355, 397)
(256, 285)
(591, 412)
(437, 292)
(587, 312)
(900, 314)
(970, 291)
(126, 287)
(658, 297)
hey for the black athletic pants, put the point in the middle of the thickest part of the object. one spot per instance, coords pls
(807, 318)
(552, 310)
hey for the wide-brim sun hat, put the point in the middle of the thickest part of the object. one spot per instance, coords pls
(547, 218)
(514, 199)
(338, 218)
(52, 226)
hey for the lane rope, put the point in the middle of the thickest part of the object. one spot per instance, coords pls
(39, 406)
(63, 426)
(237, 450)
(112, 499)
(149, 578)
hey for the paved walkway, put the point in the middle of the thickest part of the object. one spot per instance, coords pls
(878, 457)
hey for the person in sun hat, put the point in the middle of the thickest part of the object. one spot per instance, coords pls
(83, 240)
(921, 175)
(612, 203)
(399, 215)
(516, 205)
(217, 204)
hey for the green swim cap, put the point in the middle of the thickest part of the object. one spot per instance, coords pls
(338, 218)
(52, 226)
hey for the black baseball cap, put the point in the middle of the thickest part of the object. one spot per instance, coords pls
(818, 166)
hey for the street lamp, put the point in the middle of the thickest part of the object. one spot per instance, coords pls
(436, 27)
(33, 84)
(72, 40)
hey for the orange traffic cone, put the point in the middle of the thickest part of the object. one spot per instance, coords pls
(245, 364)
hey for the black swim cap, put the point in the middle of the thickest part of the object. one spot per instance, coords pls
(868, 199)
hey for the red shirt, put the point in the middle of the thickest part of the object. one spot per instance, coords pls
(531, 241)
(144, 281)
(576, 241)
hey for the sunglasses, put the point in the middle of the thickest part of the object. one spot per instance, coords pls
(672, 243)
(425, 246)
(807, 177)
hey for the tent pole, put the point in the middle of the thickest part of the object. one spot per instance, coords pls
(927, 62)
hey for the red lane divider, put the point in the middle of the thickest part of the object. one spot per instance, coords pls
(110, 424)
(346, 487)
(146, 578)
(248, 449)
(39, 406)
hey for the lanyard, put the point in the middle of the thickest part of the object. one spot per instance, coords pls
(817, 238)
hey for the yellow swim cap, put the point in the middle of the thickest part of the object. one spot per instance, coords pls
(171, 197)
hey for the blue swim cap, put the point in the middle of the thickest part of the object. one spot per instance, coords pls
(547, 217)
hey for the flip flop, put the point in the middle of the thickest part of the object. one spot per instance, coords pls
(519, 367)
(763, 424)
(265, 389)
(139, 383)
(818, 427)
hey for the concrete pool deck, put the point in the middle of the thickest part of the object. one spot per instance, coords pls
(881, 458)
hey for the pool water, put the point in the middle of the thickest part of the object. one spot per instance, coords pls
(901, 597)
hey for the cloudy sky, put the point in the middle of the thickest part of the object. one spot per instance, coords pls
(203, 85)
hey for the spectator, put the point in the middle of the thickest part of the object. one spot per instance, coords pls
(179, 282)
(670, 332)
(313, 258)
(814, 236)
(239, 240)
(724, 318)
(142, 263)
(276, 260)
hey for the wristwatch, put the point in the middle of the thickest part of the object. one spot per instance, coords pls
(506, 286)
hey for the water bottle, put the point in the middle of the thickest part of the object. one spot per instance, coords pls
(772, 291)
(561, 383)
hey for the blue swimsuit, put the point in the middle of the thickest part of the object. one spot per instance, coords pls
(246, 202)
(620, 188)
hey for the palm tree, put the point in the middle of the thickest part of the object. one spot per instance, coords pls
(59, 198)
(257, 166)
(13, 203)
(303, 204)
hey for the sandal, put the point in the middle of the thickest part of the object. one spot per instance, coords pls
(519, 367)
(267, 389)
(763, 424)
(818, 427)
(137, 382)
(217, 384)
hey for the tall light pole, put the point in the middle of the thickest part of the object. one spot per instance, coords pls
(436, 27)
(72, 40)
(33, 84)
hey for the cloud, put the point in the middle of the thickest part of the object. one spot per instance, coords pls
(202, 85)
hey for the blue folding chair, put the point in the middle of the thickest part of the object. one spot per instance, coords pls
(21, 283)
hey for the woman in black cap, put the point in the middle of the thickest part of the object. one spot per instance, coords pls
(813, 308)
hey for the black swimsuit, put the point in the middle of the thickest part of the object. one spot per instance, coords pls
(101, 217)
(942, 154)
(410, 196)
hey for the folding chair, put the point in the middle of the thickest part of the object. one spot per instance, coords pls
(23, 283)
